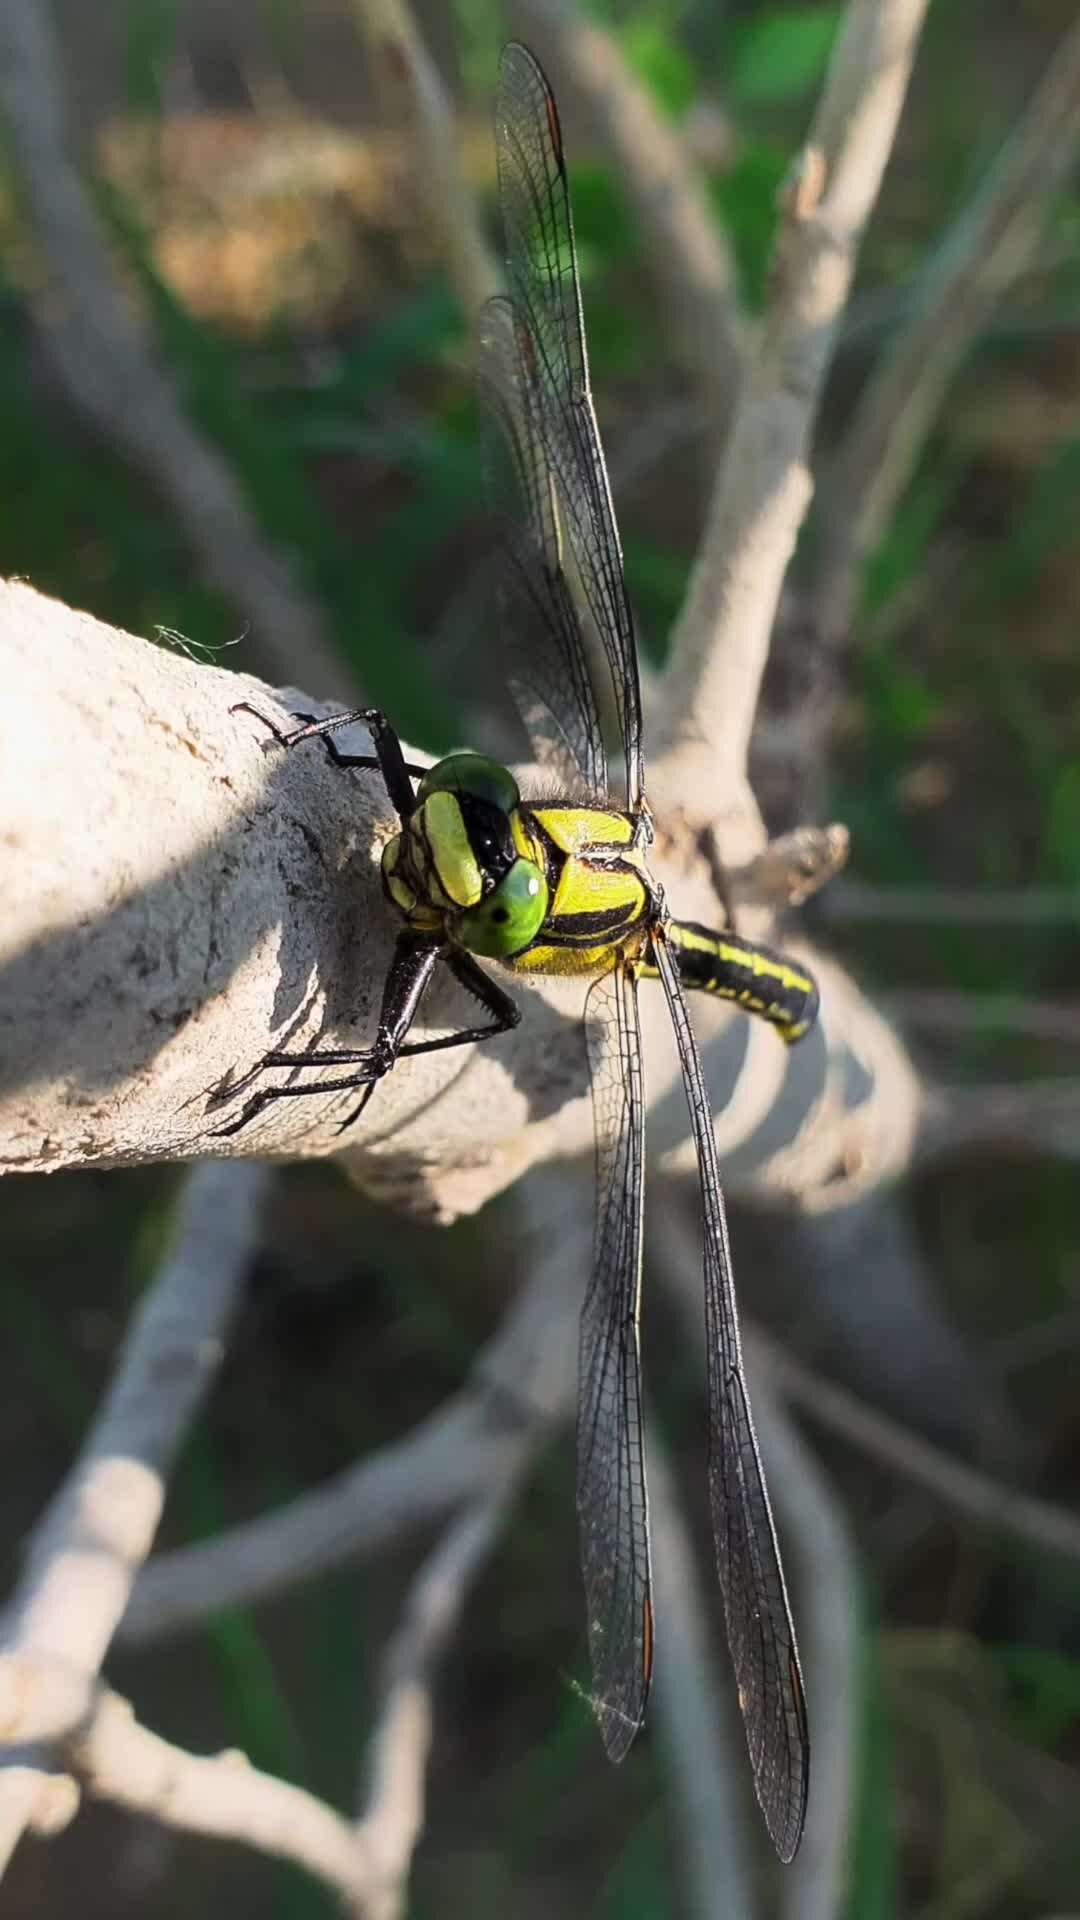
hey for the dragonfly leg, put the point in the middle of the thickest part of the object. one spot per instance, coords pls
(505, 1014)
(411, 969)
(397, 772)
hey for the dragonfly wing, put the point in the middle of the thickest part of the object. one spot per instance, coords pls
(760, 1630)
(612, 1499)
(537, 623)
(551, 378)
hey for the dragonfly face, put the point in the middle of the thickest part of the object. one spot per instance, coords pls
(464, 864)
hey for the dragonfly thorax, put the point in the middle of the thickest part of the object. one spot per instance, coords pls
(464, 864)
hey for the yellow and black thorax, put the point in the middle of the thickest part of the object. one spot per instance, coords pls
(602, 903)
(544, 889)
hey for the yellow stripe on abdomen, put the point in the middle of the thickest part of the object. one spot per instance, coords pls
(756, 978)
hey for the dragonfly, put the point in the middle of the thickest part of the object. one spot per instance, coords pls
(560, 885)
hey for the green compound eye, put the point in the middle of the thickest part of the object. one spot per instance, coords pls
(508, 918)
(471, 773)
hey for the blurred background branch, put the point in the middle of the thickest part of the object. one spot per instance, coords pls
(987, 251)
(1049, 1529)
(403, 65)
(467, 1452)
(112, 374)
(86, 1551)
(690, 1710)
(690, 265)
(720, 642)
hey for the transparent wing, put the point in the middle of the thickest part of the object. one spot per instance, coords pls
(760, 1630)
(612, 1501)
(541, 372)
(538, 627)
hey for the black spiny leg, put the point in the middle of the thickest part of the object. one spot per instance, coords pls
(504, 1012)
(388, 757)
(410, 970)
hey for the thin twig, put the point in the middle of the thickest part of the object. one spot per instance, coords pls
(392, 1820)
(116, 1759)
(1040, 1116)
(855, 900)
(115, 378)
(221, 1795)
(941, 1010)
(683, 245)
(821, 1560)
(86, 1551)
(388, 1497)
(97, 1737)
(390, 28)
(1000, 1508)
(990, 246)
(721, 640)
(522, 1383)
(701, 1758)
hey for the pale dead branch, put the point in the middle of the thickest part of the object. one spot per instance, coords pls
(90, 1546)
(721, 639)
(112, 1757)
(87, 1550)
(393, 1818)
(467, 1451)
(183, 894)
(220, 1795)
(113, 375)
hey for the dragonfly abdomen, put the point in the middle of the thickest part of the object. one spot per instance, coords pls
(756, 978)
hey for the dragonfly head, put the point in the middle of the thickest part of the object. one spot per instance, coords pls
(495, 895)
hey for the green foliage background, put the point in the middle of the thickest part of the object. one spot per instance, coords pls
(957, 761)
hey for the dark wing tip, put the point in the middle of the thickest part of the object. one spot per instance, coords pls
(520, 70)
(618, 1730)
(516, 56)
(620, 1724)
(786, 1821)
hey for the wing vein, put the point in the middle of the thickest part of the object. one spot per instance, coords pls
(534, 365)
(761, 1633)
(612, 1495)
